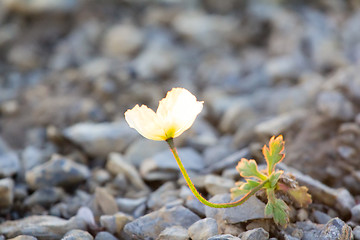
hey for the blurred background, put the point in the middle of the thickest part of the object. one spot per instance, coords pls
(69, 69)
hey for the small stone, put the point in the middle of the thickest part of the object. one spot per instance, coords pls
(9, 164)
(195, 205)
(106, 201)
(41, 6)
(25, 57)
(279, 124)
(23, 237)
(355, 213)
(255, 234)
(218, 185)
(302, 215)
(99, 139)
(115, 223)
(224, 237)
(31, 157)
(321, 217)
(203, 229)
(101, 176)
(141, 149)
(253, 208)
(59, 171)
(152, 224)
(122, 40)
(6, 193)
(105, 236)
(356, 233)
(42, 227)
(128, 205)
(44, 197)
(165, 194)
(117, 165)
(77, 234)
(164, 163)
(334, 105)
(336, 229)
(174, 233)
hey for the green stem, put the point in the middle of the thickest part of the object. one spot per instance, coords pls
(170, 141)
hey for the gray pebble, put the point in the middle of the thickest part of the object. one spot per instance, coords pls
(224, 237)
(105, 236)
(59, 171)
(336, 229)
(77, 234)
(255, 234)
(152, 224)
(203, 229)
(6, 193)
(253, 208)
(174, 233)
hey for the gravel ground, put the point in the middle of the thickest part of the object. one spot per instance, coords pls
(71, 168)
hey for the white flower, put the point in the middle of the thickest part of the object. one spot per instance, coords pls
(175, 114)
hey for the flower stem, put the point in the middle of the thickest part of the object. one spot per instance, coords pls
(170, 141)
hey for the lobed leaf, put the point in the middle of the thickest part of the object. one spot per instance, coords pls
(300, 195)
(243, 188)
(274, 178)
(279, 211)
(274, 153)
(249, 168)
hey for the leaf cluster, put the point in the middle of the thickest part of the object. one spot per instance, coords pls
(248, 169)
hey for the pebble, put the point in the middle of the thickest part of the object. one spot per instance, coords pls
(41, 6)
(77, 235)
(31, 157)
(174, 233)
(165, 194)
(41, 227)
(44, 196)
(116, 164)
(100, 139)
(122, 40)
(195, 205)
(355, 213)
(152, 224)
(156, 60)
(356, 233)
(224, 237)
(9, 164)
(218, 185)
(115, 223)
(279, 124)
(128, 205)
(58, 171)
(23, 237)
(6, 193)
(164, 162)
(255, 234)
(321, 217)
(105, 236)
(141, 149)
(253, 208)
(336, 229)
(203, 229)
(105, 201)
(335, 106)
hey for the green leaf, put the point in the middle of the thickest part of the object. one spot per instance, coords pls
(274, 153)
(243, 188)
(279, 211)
(274, 178)
(249, 168)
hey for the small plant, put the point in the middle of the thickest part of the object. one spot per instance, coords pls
(177, 112)
(275, 207)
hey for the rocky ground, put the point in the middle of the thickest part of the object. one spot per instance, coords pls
(71, 168)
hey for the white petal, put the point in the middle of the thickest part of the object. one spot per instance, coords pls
(146, 122)
(178, 110)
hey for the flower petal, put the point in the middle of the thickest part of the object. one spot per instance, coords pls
(146, 122)
(177, 111)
